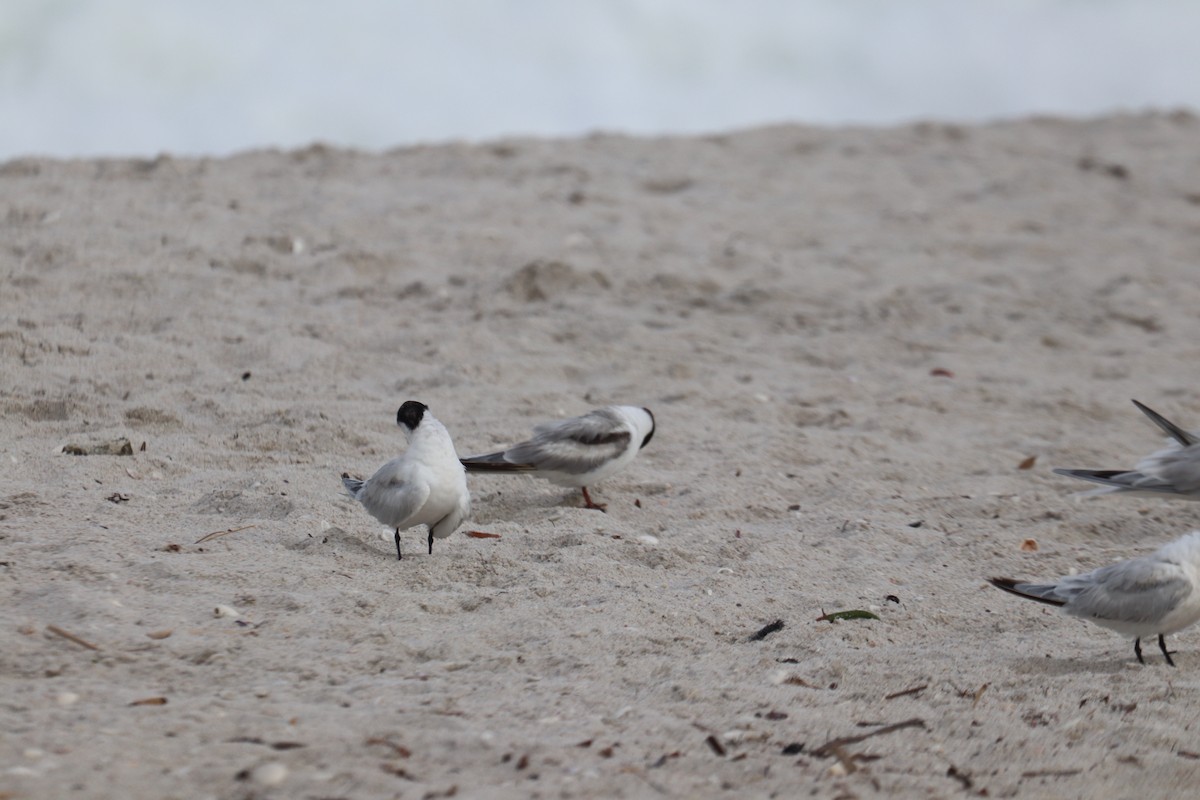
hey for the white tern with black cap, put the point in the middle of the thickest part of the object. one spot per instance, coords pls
(425, 486)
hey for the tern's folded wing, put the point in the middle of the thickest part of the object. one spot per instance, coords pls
(577, 445)
(394, 501)
(1139, 591)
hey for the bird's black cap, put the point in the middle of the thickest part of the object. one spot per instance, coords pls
(410, 414)
(653, 426)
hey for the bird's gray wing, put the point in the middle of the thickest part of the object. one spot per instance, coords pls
(391, 499)
(575, 446)
(1142, 590)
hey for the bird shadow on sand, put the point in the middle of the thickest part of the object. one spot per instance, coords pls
(340, 542)
(489, 508)
(1078, 666)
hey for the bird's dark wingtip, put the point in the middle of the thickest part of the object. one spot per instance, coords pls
(493, 462)
(1170, 428)
(1104, 477)
(1013, 587)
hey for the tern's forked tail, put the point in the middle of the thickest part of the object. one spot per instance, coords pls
(353, 485)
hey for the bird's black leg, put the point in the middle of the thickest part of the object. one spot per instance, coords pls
(431, 541)
(587, 501)
(399, 555)
(1162, 645)
(1137, 649)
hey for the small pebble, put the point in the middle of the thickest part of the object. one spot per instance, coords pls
(646, 538)
(577, 241)
(226, 611)
(271, 774)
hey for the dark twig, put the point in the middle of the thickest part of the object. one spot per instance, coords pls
(827, 748)
(70, 637)
(215, 534)
(767, 630)
(960, 776)
(913, 690)
(1050, 773)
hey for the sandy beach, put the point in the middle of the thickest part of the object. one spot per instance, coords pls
(864, 348)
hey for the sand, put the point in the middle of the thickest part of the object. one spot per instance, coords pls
(852, 340)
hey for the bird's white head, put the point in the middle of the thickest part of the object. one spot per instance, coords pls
(642, 421)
